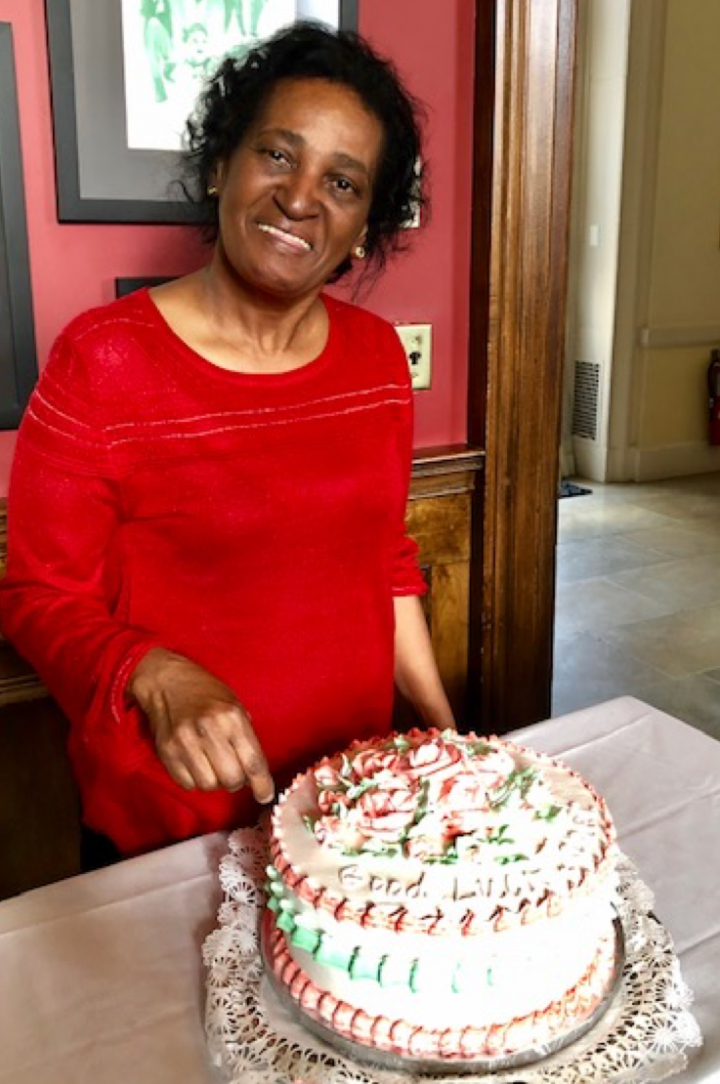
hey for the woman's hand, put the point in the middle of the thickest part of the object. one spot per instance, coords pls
(203, 734)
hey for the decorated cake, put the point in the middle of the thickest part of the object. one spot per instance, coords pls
(442, 896)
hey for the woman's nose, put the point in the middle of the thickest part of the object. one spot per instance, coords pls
(297, 196)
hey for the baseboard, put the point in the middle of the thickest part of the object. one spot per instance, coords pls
(598, 463)
(675, 461)
(590, 459)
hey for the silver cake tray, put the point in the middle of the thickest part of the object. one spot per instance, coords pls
(382, 1059)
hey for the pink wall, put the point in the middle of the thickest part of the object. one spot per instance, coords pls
(74, 266)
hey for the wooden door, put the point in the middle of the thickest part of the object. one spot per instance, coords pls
(524, 93)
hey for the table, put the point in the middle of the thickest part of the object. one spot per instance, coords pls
(101, 980)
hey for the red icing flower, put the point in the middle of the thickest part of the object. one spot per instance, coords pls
(463, 802)
(385, 811)
(371, 761)
(435, 758)
(329, 799)
(327, 776)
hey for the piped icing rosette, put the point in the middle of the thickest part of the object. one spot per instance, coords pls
(431, 797)
(426, 829)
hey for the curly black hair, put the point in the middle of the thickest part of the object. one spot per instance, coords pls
(238, 91)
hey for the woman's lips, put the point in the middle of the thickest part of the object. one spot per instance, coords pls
(298, 244)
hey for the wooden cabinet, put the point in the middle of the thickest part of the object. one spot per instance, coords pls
(444, 489)
(39, 803)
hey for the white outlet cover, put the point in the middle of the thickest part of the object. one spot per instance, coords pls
(417, 344)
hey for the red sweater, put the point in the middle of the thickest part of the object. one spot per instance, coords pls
(254, 523)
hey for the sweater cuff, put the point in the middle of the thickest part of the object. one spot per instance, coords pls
(412, 585)
(120, 708)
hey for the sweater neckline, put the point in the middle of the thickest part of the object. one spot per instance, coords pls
(209, 369)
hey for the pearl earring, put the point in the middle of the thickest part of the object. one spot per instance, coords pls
(212, 190)
(359, 252)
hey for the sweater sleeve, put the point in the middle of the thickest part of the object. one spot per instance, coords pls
(64, 512)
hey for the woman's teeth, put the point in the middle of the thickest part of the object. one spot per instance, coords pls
(284, 235)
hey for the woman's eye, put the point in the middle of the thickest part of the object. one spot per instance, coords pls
(274, 155)
(345, 186)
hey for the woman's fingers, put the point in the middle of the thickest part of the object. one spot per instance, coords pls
(220, 750)
(250, 754)
(180, 774)
(202, 733)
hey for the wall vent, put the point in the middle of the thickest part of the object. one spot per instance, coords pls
(585, 399)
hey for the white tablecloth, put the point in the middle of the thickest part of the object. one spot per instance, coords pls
(101, 980)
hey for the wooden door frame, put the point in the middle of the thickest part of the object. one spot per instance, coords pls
(525, 68)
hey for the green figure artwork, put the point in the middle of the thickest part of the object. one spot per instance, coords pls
(186, 39)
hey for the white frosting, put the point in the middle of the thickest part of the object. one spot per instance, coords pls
(549, 962)
(559, 853)
(544, 854)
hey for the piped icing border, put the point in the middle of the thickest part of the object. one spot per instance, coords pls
(372, 956)
(461, 1043)
(436, 920)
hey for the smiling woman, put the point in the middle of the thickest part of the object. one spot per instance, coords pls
(207, 557)
(295, 196)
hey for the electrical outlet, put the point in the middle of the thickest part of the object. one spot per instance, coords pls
(417, 343)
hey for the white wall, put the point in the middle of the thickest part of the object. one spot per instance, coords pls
(604, 27)
(652, 318)
(683, 312)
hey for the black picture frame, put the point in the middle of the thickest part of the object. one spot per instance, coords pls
(125, 286)
(18, 355)
(100, 179)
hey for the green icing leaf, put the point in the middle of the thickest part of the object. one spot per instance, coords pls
(548, 813)
(356, 790)
(478, 748)
(422, 803)
(449, 858)
(499, 836)
(517, 782)
(380, 848)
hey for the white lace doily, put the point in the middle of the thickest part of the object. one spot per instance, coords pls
(642, 1037)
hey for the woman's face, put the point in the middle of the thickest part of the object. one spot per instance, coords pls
(295, 195)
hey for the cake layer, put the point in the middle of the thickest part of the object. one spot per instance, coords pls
(455, 1042)
(439, 980)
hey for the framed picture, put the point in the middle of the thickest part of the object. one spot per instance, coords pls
(18, 359)
(125, 76)
(123, 287)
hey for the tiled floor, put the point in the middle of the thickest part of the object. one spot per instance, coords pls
(638, 597)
